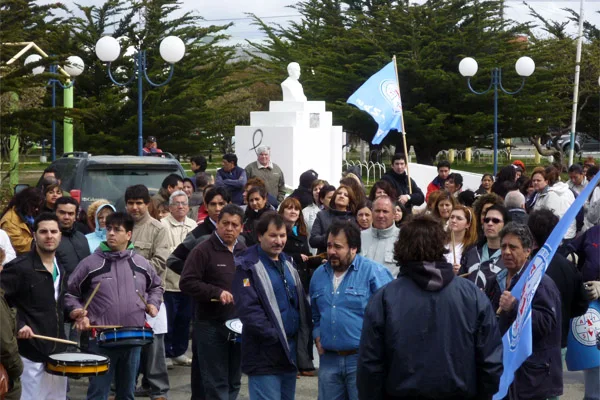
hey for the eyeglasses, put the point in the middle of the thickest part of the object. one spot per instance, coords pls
(179, 203)
(492, 220)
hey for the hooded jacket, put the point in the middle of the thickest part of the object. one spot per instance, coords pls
(123, 274)
(99, 235)
(557, 198)
(378, 245)
(465, 364)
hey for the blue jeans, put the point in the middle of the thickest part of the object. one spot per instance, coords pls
(219, 360)
(179, 315)
(274, 387)
(337, 377)
(591, 379)
(124, 364)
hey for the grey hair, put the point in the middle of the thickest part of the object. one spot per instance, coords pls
(514, 199)
(263, 149)
(520, 231)
(593, 213)
(176, 193)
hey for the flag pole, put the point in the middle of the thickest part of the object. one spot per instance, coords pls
(403, 130)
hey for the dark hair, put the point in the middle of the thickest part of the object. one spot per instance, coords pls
(357, 189)
(456, 178)
(262, 191)
(552, 175)
(466, 198)
(27, 202)
(576, 168)
(350, 229)
(489, 198)
(67, 200)
(508, 173)
(51, 169)
(502, 210)
(200, 161)
(443, 163)
(49, 180)
(541, 223)
(398, 156)
(201, 180)
(520, 231)
(268, 218)
(369, 204)
(52, 186)
(45, 216)
(591, 172)
(386, 187)
(421, 239)
(254, 181)
(120, 219)
(291, 202)
(324, 190)
(488, 175)
(217, 191)
(231, 158)
(171, 180)
(137, 192)
(233, 210)
(444, 195)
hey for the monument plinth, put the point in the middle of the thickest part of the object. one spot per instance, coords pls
(301, 135)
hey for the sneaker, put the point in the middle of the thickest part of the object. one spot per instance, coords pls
(170, 363)
(182, 360)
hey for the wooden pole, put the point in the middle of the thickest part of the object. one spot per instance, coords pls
(403, 130)
(453, 246)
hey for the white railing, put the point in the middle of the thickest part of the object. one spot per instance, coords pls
(374, 170)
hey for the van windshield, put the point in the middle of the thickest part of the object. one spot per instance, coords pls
(110, 184)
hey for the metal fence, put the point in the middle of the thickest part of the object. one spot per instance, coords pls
(374, 170)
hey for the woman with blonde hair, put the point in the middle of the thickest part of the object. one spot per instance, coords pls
(462, 234)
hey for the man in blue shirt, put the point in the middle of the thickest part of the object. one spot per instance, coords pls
(270, 301)
(339, 292)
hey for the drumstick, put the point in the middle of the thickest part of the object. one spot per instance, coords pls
(106, 326)
(464, 275)
(215, 300)
(53, 339)
(453, 245)
(142, 298)
(89, 300)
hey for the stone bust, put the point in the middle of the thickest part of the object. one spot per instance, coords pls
(291, 88)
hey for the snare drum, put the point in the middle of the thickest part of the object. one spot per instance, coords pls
(235, 327)
(125, 336)
(77, 365)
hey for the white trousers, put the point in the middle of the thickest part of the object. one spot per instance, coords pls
(37, 384)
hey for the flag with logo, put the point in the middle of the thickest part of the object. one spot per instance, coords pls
(380, 97)
(517, 341)
(582, 352)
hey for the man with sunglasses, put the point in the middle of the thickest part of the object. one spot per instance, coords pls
(272, 306)
(483, 261)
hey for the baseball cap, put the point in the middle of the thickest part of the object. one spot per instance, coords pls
(151, 139)
(520, 164)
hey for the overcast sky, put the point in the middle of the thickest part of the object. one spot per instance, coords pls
(275, 11)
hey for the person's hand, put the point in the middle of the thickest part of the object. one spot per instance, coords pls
(25, 333)
(507, 301)
(455, 268)
(592, 290)
(319, 348)
(78, 313)
(304, 257)
(82, 324)
(152, 310)
(226, 297)
(403, 199)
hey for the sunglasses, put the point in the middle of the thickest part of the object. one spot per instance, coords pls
(492, 220)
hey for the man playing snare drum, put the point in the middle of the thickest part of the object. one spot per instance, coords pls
(123, 274)
(207, 276)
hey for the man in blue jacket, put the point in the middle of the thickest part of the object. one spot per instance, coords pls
(232, 177)
(272, 306)
(339, 292)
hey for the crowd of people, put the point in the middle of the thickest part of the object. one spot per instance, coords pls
(404, 294)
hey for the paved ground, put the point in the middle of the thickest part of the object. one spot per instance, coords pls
(306, 388)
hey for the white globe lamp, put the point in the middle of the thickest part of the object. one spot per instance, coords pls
(525, 66)
(108, 49)
(74, 66)
(467, 67)
(34, 58)
(172, 49)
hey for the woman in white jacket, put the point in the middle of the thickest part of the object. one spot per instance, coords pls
(553, 194)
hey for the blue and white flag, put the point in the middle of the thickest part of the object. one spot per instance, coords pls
(582, 352)
(517, 341)
(380, 97)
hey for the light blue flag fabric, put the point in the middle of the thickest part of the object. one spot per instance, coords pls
(517, 340)
(582, 352)
(380, 97)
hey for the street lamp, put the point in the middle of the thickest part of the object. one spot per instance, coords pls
(171, 49)
(73, 68)
(468, 68)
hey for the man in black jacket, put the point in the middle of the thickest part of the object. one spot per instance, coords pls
(73, 245)
(397, 176)
(446, 345)
(565, 275)
(35, 284)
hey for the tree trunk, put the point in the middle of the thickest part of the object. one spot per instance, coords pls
(554, 152)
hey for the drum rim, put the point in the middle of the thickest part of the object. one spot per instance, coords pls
(54, 361)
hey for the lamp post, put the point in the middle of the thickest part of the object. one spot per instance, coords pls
(468, 68)
(73, 68)
(171, 49)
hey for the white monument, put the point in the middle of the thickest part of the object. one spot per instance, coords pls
(300, 133)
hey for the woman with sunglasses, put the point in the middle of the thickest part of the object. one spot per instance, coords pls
(464, 229)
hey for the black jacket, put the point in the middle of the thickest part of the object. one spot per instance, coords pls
(318, 234)
(303, 195)
(400, 183)
(295, 246)
(72, 249)
(251, 218)
(569, 282)
(177, 259)
(29, 287)
(425, 344)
